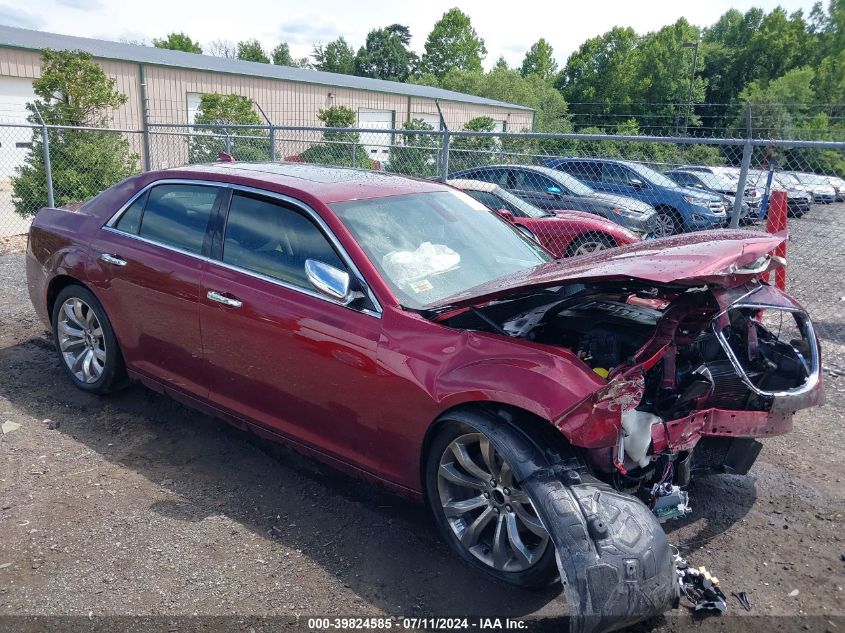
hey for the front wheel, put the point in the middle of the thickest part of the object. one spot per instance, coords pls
(590, 243)
(85, 341)
(482, 513)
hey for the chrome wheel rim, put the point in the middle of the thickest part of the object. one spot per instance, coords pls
(488, 513)
(665, 226)
(81, 340)
(590, 247)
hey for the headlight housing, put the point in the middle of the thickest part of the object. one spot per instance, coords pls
(698, 202)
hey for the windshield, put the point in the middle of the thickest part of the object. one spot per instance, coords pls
(655, 177)
(526, 207)
(718, 182)
(428, 246)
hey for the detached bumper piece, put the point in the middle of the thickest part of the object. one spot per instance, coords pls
(615, 563)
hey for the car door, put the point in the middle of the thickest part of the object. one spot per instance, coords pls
(281, 355)
(620, 180)
(151, 257)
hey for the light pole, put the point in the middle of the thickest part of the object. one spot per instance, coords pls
(694, 46)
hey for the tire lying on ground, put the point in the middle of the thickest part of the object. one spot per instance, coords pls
(614, 560)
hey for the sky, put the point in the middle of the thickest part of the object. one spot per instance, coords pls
(508, 28)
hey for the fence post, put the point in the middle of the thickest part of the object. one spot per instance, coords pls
(272, 143)
(48, 168)
(444, 156)
(747, 150)
(145, 118)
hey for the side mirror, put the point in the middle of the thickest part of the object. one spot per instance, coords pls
(332, 282)
(637, 184)
(505, 214)
(555, 191)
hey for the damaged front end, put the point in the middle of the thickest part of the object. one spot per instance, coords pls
(695, 364)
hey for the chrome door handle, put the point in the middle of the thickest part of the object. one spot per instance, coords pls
(226, 301)
(112, 259)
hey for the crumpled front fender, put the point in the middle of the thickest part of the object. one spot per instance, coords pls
(615, 562)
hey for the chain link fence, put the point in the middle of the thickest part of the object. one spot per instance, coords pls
(574, 193)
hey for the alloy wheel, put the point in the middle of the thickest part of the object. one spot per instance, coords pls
(81, 340)
(590, 247)
(488, 513)
(664, 225)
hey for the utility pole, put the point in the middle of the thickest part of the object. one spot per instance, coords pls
(694, 46)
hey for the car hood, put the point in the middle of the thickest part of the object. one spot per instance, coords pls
(623, 201)
(697, 193)
(721, 258)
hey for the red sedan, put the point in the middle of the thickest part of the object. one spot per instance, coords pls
(400, 331)
(562, 233)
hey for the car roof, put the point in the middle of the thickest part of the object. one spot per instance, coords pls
(548, 171)
(327, 184)
(472, 185)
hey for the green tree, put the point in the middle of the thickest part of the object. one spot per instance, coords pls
(452, 45)
(472, 151)
(598, 78)
(338, 147)
(252, 51)
(418, 153)
(281, 57)
(221, 111)
(539, 60)
(386, 54)
(335, 57)
(73, 90)
(178, 42)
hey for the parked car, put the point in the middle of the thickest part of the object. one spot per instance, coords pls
(679, 209)
(839, 185)
(717, 183)
(548, 189)
(562, 233)
(397, 329)
(820, 186)
(799, 199)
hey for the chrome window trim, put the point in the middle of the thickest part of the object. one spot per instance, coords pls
(298, 204)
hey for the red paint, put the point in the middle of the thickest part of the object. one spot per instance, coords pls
(556, 233)
(776, 222)
(353, 389)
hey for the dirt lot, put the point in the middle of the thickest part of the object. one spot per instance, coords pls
(135, 505)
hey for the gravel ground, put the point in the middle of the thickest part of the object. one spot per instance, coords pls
(134, 505)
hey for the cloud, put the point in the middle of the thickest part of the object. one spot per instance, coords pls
(308, 30)
(15, 17)
(84, 5)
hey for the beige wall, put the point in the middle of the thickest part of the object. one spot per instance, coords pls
(286, 103)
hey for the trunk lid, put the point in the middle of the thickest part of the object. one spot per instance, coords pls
(720, 258)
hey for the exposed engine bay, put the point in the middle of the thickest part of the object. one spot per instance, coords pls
(694, 350)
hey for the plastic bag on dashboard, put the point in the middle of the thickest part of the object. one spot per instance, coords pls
(428, 259)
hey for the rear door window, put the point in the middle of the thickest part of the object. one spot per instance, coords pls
(178, 215)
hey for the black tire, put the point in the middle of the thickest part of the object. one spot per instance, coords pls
(541, 573)
(113, 374)
(670, 219)
(602, 241)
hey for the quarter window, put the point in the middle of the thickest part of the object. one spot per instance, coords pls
(130, 221)
(274, 240)
(178, 215)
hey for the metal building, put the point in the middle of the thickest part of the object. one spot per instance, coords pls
(174, 81)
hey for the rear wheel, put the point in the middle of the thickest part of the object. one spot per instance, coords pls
(590, 243)
(85, 341)
(485, 517)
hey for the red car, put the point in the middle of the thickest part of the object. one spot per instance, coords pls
(549, 412)
(562, 233)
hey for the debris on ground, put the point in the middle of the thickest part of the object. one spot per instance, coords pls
(8, 426)
(700, 588)
(742, 598)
